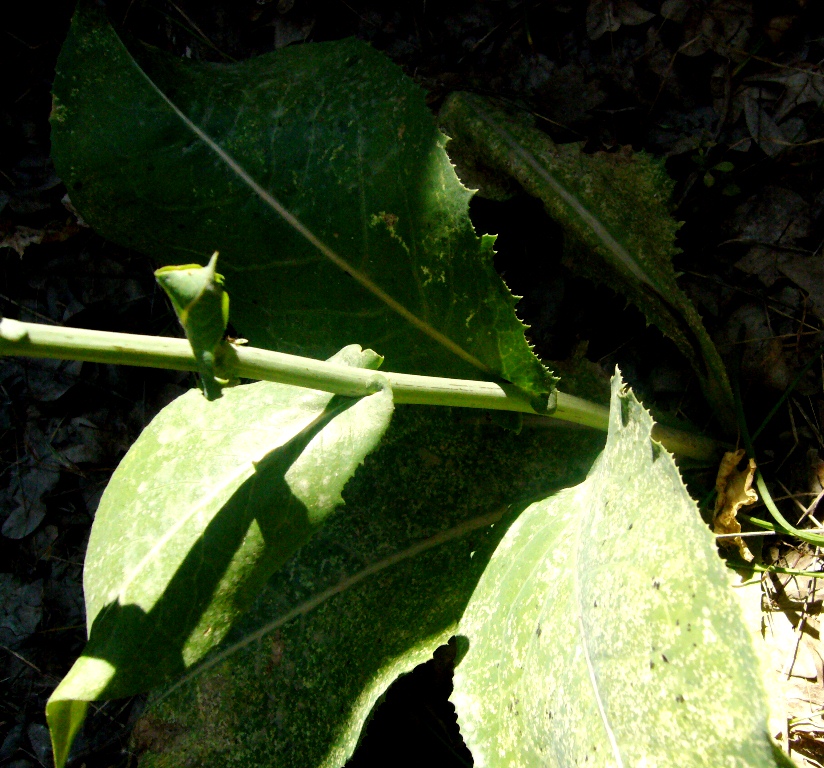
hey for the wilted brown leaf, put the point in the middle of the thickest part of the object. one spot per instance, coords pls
(734, 489)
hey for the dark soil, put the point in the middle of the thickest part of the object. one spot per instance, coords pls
(730, 93)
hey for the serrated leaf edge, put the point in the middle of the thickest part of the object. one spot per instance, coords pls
(302, 229)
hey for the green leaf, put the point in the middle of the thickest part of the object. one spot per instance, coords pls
(613, 208)
(310, 663)
(604, 630)
(318, 173)
(206, 505)
(202, 306)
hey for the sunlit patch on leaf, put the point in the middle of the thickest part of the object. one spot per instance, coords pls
(421, 514)
(605, 620)
(211, 499)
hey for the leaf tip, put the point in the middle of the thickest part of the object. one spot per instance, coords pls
(67, 706)
(64, 718)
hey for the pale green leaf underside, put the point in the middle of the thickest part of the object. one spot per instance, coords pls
(603, 631)
(298, 696)
(614, 211)
(210, 500)
(318, 173)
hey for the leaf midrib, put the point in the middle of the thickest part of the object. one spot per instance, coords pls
(575, 520)
(584, 213)
(579, 605)
(363, 279)
(457, 531)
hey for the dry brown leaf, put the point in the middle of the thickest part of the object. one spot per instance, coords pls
(761, 125)
(781, 217)
(778, 26)
(722, 26)
(768, 102)
(608, 16)
(776, 215)
(734, 489)
(807, 272)
(21, 238)
(801, 86)
(675, 10)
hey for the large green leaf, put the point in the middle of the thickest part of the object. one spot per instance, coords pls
(614, 211)
(604, 630)
(406, 557)
(377, 590)
(318, 173)
(211, 499)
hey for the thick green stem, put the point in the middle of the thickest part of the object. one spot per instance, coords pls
(36, 340)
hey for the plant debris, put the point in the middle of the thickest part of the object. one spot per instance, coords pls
(734, 489)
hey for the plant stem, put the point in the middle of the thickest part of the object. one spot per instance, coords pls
(741, 565)
(37, 340)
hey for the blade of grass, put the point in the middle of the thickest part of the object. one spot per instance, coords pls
(740, 565)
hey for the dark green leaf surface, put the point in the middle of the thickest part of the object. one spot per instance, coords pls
(320, 176)
(298, 694)
(206, 505)
(614, 211)
(604, 630)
